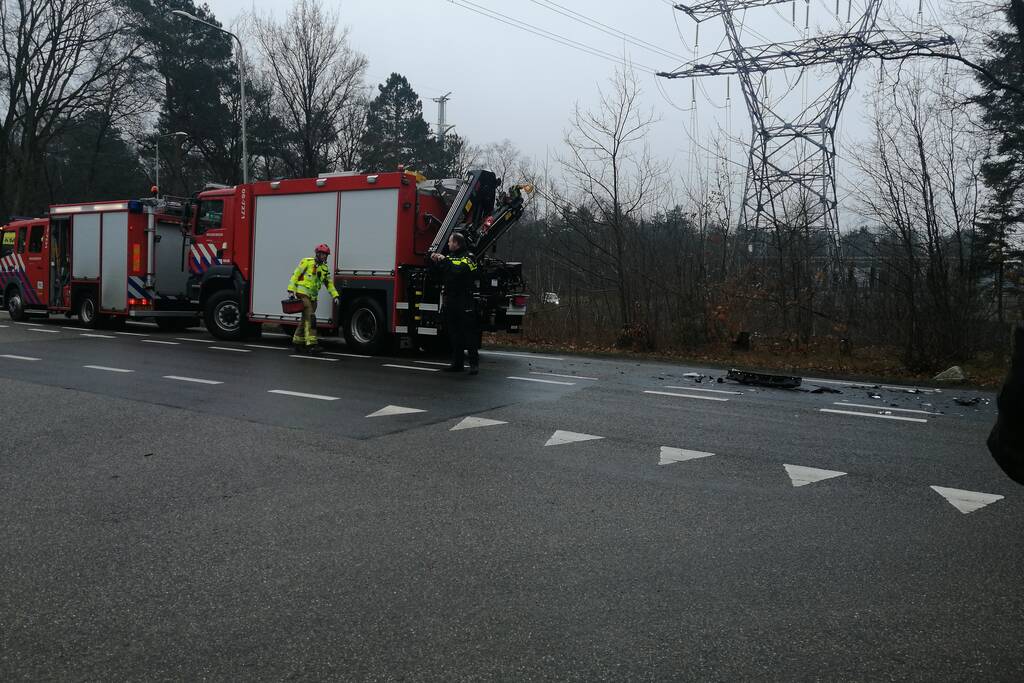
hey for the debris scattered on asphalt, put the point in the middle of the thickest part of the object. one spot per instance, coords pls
(764, 379)
(825, 390)
(721, 380)
(872, 394)
(968, 402)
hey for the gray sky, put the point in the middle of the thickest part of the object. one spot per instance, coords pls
(509, 83)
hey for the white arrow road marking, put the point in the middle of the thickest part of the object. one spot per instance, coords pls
(196, 380)
(542, 381)
(802, 476)
(7, 355)
(670, 455)
(394, 410)
(473, 422)
(562, 437)
(966, 501)
(106, 369)
(702, 398)
(299, 394)
(883, 417)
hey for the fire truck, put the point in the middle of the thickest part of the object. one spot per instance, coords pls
(99, 262)
(382, 227)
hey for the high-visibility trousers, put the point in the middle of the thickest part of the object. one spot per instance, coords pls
(305, 333)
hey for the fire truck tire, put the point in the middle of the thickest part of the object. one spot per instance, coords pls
(223, 315)
(15, 304)
(363, 326)
(88, 311)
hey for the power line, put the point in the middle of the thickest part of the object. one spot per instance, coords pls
(605, 28)
(543, 33)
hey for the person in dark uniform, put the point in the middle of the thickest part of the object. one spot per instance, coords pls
(458, 271)
(1006, 442)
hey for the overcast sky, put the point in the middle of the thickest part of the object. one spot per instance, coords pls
(509, 83)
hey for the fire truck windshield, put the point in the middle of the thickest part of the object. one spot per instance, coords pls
(211, 213)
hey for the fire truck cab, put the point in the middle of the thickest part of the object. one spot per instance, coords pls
(247, 241)
(99, 262)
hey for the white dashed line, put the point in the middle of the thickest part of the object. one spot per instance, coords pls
(409, 367)
(12, 357)
(543, 381)
(711, 391)
(883, 417)
(159, 341)
(228, 348)
(193, 339)
(346, 355)
(270, 348)
(518, 355)
(702, 398)
(106, 369)
(132, 334)
(431, 362)
(45, 331)
(195, 380)
(895, 387)
(97, 336)
(32, 324)
(328, 360)
(3, 327)
(299, 394)
(897, 410)
(555, 374)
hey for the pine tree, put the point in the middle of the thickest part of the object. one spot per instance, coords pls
(396, 132)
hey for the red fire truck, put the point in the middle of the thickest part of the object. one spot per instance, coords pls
(247, 240)
(99, 262)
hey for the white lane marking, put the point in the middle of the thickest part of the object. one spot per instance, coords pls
(46, 331)
(669, 393)
(561, 437)
(13, 357)
(271, 348)
(409, 367)
(191, 379)
(474, 422)
(710, 391)
(4, 326)
(431, 362)
(670, 455)
(897, 387)
(97, 336)
(132, 334)
(32, 324)
(159, 341)
(347, 355)
(299, 394)
(898, 410)
(193, 339)
(228, 348)
(106, 369)
(966, 501)
(326, 360)
(802, 476)
(387, 411)
(543, 381)
(883, 417)
(519, 355)
(276, 334)
(555, 374)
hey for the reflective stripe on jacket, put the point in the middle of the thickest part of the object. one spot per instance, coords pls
(310, 277)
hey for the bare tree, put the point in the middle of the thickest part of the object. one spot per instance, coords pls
(318, 83)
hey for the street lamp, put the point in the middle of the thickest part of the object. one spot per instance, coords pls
(177, 134)
(241, 71)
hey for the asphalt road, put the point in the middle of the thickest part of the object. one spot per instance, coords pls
(175, 507)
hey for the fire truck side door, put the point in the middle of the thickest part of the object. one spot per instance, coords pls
(37, 262)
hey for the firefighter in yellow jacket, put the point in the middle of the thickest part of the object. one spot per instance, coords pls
(311, 275)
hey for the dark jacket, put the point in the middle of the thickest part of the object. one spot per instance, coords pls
(1006, 442)
(458, 273)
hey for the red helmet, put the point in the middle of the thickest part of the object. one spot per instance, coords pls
(324, 248)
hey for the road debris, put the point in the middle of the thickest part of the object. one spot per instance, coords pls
(967, 402)
(764, 379)
(825, 390)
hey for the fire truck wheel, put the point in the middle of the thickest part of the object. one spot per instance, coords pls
(363, 325)
(88, 314)
(15, 304)
(224, 317)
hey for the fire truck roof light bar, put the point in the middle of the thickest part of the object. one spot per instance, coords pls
(59, 210)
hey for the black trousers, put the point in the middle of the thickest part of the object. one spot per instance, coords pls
(463, 331)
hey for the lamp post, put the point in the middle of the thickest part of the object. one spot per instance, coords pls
(241, 71)
(176, 134)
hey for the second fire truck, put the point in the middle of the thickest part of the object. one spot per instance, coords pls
(247, 239)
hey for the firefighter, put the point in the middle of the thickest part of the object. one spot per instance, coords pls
(1006, 442)
(458, 270)
(310, 276)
